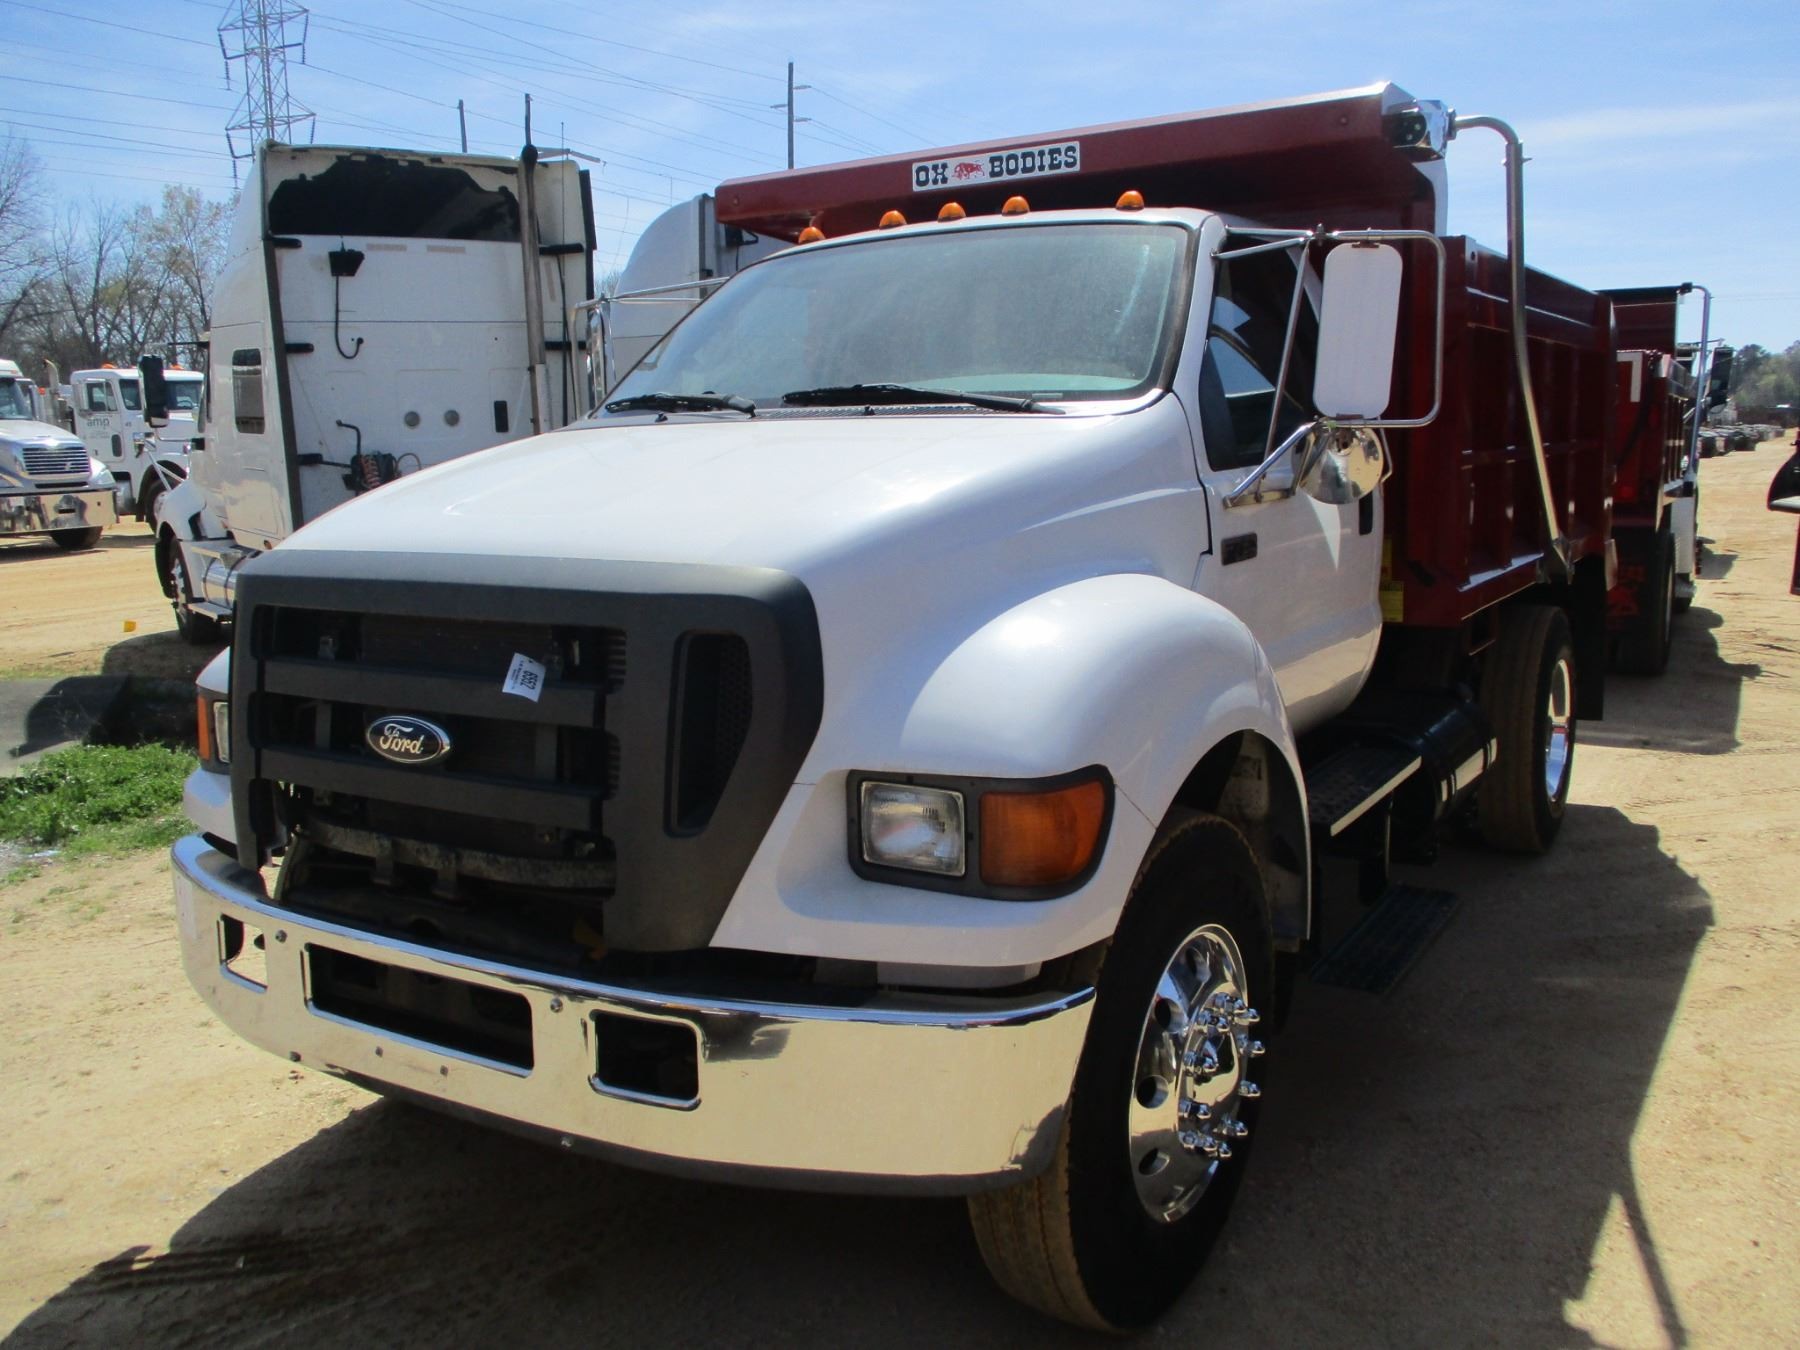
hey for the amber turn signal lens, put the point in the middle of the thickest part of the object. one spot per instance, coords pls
(1015, 206)
(203, 730)
(811, 234)
(892, 219)
(1130, 201)
(1040, 838)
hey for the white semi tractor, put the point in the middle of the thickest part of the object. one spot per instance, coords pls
(898, 740)
(379, 312)
(106, 408)
(49, 483)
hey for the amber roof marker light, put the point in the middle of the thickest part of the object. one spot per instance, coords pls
(951, 211)
(812, 234)
(1131, 200)
(1015, 206)
(892, 220)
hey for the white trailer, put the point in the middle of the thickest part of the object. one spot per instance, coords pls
(379, 312)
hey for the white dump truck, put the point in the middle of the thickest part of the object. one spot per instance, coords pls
(106, 405)
(902, 740)
(49, 483)
(378, 312)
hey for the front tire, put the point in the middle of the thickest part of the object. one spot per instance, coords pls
(1528, 694)
(1157, 1134)
(196, 629)
(75, 541)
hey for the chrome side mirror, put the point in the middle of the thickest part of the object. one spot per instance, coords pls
(1340, 464)
(1359, 318)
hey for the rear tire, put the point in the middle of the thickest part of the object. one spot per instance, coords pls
(1113, 1231)
(75, 541)
(1645, 650)
(1528, 694)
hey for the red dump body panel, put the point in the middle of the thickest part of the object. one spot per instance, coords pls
(1465, 523)
(1463, 507)
(1299, 162)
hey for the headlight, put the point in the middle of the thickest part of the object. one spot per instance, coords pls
(918, 828)
(999, 838)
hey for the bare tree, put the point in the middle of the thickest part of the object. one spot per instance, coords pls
(21, 244)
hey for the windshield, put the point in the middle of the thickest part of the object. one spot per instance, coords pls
(184, 395)
(1053, 312)
(14, 402)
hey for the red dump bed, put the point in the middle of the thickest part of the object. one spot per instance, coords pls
(1465, 521)
(1655, 395)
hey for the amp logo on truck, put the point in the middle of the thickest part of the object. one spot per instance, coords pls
(407, 740)
(994, 166)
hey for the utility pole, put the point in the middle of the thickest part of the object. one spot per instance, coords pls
(462, 125)
(789, 105)
(261, 33)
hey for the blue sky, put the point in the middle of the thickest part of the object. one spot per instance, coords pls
(1664, 138)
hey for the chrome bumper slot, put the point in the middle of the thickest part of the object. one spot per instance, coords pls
(41, 512)
(924, 1094)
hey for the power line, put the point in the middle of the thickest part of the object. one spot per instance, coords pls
(134, 29)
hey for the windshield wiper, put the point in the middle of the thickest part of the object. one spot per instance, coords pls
(874, 395)
(682, 403)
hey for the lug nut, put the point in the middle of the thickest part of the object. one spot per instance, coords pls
(1224, 1150)
(1248, 1089)
(1210, 1148)
(1237, 1129)
(1189, 1140)
(1195, 1110)
(1255, 1049)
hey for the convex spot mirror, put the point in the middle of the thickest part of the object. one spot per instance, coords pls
(156, 391)
(1359, 315)
(1338, 465)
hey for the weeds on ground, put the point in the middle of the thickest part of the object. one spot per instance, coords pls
(97, 799)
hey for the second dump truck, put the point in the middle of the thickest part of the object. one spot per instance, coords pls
(915, 761)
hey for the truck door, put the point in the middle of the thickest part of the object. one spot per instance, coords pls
(1302, 574)
(98, 419)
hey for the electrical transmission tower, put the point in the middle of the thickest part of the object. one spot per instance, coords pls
(261, 33)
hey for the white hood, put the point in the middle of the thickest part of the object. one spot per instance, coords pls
(17, 431)
(789, 493)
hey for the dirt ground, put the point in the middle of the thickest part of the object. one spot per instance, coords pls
(66, 613)
(1575, 1123)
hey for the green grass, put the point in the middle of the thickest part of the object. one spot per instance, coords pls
(97, 799)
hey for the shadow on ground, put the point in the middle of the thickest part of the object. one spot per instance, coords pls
(159, 656)
(1700, 718)
(1435, 1166)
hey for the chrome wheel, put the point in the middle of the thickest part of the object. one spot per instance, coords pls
(1559, 730)
(1190, 1084)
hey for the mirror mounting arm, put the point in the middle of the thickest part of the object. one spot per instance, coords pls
(1247, 492)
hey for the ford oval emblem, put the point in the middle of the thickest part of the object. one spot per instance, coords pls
(404, 739)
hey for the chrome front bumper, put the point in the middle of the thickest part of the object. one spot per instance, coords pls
(41, 512)
(922, 1094)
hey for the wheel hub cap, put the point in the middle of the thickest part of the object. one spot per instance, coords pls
(1191, 1079)
(1559, 729)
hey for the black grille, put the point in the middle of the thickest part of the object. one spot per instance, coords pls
(713, 700)
(616, 811)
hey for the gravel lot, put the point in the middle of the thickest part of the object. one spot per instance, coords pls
(1575, 1123)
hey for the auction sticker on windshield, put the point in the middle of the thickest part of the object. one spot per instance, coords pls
(994, 166)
